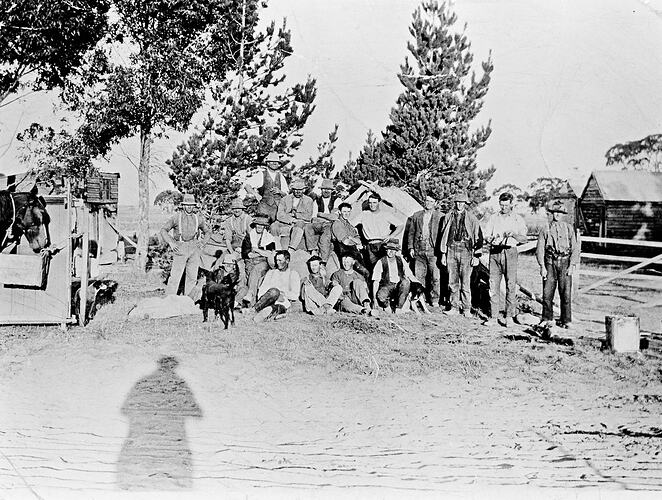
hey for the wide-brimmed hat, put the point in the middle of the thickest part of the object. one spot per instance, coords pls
(392, 244)
(237, 203)
(229, 259)
(260, 220)
(298, 184)
(188, 199)
(327, 184)
(557, 206)
(273, 156)
(461, 197)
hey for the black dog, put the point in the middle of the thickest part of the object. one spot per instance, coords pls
(417, 297)
(219, 293)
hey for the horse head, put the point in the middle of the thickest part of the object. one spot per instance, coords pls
(32, 219)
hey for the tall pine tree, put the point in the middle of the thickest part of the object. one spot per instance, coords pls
(430, 144)
(254, 113)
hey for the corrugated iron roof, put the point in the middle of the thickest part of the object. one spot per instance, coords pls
(629, 185)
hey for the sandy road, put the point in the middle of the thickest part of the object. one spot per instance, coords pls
(77, 421)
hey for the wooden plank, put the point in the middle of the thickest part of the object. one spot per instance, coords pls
(22, 270)
(85, 261)
(615, 258)
(634, 277)
(619, 274)
(618, 241)
(126, 238)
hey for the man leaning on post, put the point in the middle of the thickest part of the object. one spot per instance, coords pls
(557, 254)
(186, 225)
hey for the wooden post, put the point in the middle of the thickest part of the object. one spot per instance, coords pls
(85, 261)
(621, 273)
(101, 223)
(575, 277)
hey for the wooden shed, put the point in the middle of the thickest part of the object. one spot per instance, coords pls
(622, 204)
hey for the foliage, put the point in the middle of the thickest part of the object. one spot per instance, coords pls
(642, 154)
(152, 73)
(518, 193)
(544, 189)
(321, 167)
(429, 144)
(254, 113)
(45, 40)
(160, 257)
(168, 197)
(56, 154)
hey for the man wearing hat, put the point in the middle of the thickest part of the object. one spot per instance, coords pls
(236, 226)
(295, 210)
(421, 242)
(460, 249)
(392, 279)
(265, 184)
(558, 255)
(318, 233)
(186, 225)
(257, 250)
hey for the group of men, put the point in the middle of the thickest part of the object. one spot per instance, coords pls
(372, 273)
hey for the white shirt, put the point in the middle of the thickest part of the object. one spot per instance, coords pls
(498, 224)
(392, 271)
(255, 181)
(376, 225)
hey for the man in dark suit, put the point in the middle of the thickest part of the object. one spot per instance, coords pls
(421, 244)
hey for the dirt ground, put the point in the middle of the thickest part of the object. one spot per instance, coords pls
(342, 406)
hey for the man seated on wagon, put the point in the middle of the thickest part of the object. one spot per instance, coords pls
(318, 293)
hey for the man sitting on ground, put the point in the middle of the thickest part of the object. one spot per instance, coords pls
(319, 294)
(294, 211)
(257, 249)
(392, 279)
(355, 298)
(279, 287)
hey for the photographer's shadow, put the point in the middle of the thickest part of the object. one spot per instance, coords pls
(156, 455)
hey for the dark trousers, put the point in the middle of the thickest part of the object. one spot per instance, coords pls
(425, 265)
(390, 294)
(373, 252)
(503, 264)
(458, 262)
(557, 275)
(268, 299)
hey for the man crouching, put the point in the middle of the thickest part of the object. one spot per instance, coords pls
(392, 279)
(279, 287)
(319, 294)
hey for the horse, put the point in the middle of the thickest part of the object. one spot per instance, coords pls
(24, 213)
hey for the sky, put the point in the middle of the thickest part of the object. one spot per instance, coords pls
(571, 79)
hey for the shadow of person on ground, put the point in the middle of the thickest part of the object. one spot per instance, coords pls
(156, 455)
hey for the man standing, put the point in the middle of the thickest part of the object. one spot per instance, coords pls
(355, 298)
(557, 254)
(346, 240)
(421, 242)
(319, 294)
(279, 287)
(318, 232)
(294, 211)
(503, 231)
(392, 279)
(185, 245)
(257, 249)
(377, 231)
(460, 247)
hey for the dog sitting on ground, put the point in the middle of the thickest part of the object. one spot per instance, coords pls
(417, 297)
(219, 293)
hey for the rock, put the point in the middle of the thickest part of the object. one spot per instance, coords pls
(164, 307)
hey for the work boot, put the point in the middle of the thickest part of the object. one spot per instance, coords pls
(467, 314)
(262, 315)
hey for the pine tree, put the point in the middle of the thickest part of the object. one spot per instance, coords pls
(321, 167)
(429, 144)
(253, 114)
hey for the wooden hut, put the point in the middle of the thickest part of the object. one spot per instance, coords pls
(622, 204)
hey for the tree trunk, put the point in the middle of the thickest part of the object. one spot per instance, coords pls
(143, 198)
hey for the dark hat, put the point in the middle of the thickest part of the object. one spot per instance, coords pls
(392, 244)
(261, 220)
(557, 206)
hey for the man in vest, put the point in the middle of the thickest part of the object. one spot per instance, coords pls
(186, 225)
(558, 255)
(460, 247)
(294, 211)
(376, 225)
(318, 232)
(421, 242)
(355, 297)
(346, 239)
(318, 293)
(503, 231)
(257, 250)
(392, 279)
(266, 184)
